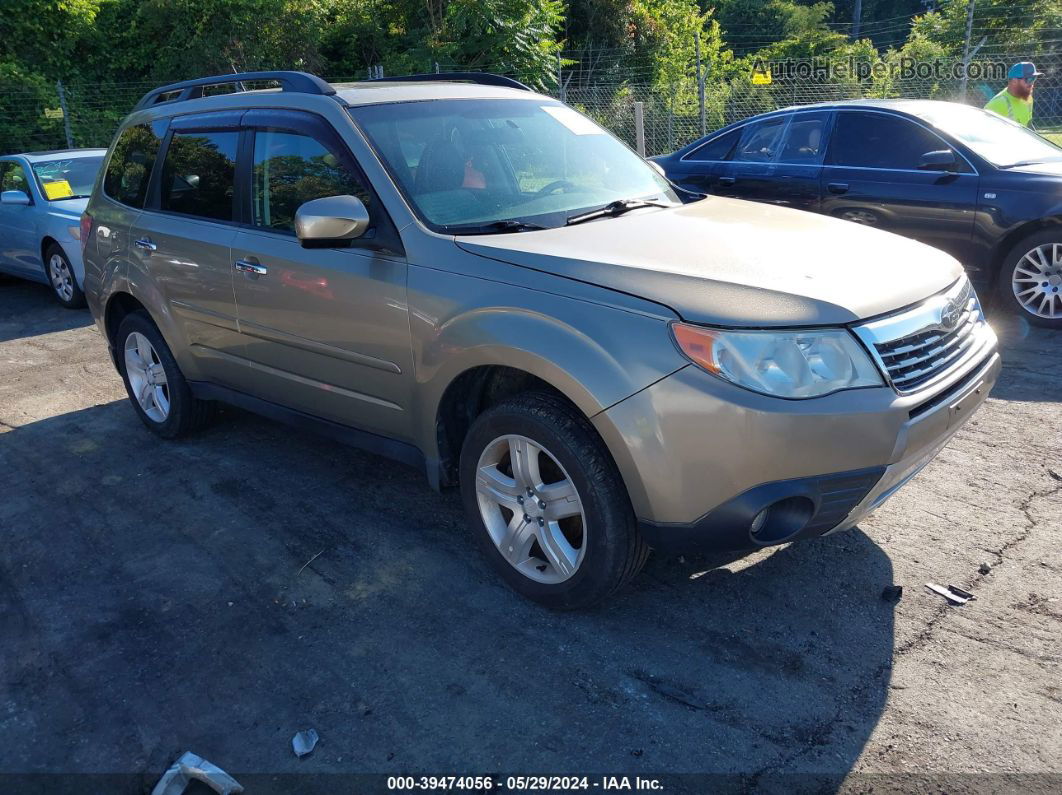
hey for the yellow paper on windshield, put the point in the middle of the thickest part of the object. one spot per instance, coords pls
(59, 189)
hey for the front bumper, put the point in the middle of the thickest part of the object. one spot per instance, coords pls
(702, 458)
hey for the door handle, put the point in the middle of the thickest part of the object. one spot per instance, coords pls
(727, 180)
(244, 266)
(837, 187)
(145, 244)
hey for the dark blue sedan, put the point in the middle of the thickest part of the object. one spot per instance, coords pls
(978, 186)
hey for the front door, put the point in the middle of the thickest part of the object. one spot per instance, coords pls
(326, 329)
(19, 246)
(871, 176)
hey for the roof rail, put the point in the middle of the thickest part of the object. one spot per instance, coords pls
(483, 78)
(298, 82)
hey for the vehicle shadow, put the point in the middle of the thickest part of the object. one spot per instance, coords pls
(1032, 360)
(221, 593)
(27, 309)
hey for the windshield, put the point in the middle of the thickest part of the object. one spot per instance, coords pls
(72, 178)
(473, 162)
(998, 140)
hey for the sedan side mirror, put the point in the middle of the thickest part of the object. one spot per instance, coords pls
(940, 160)
(333, 219)
(14, 197)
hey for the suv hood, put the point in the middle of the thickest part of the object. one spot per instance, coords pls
(736, 263)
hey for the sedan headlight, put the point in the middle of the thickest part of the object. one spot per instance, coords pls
(789, 364)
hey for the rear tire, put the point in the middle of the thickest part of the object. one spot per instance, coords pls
(61, 278)
(1029, 283)
(156, 388)
(587, 544)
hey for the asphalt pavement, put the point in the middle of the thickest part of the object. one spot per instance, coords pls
(221, 593)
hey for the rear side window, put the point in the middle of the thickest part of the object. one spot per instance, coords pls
(130, 165)
(291, 169)
(804, 139)
(761, 141)
(716, 149)
(198, 174)
(876, 140)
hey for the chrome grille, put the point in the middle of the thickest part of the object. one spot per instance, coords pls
(920, 346)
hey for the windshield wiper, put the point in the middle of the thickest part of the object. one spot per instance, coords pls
(62, 198)
(494, 227)
(612, 209)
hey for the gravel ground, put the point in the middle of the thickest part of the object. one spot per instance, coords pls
(155, 598)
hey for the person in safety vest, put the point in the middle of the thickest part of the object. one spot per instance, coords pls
(1016, 100)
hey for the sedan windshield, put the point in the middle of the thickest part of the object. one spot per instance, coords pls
(71, 178)
(472, 166)
(999, 141)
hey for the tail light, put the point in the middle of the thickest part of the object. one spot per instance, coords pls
(86, 231)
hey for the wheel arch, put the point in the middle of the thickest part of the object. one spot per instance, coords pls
(46, 243)
(119, 305)
(1016, 235)
(468, 395)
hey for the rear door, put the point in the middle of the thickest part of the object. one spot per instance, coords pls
(795, 180)
(183, 240)
(871, 176)
(698, 170)
(326, 329)
(124, 190)
(750, 172)
(19, 245)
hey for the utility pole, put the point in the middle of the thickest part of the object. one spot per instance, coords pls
(966, 47)
(562, 94)
(857, 19)
(66, 114)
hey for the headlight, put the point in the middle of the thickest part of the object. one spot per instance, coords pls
(789, 364)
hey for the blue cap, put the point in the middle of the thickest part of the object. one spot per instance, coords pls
(1023, 71)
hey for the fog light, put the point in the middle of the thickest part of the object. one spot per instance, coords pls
(781, 521)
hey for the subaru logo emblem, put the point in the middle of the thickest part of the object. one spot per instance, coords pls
(950, 314)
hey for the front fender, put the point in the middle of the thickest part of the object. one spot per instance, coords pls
(594, 354)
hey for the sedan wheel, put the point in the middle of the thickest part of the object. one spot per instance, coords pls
(62, 278)
(531, 509)
(1037, 281)
(147, 377)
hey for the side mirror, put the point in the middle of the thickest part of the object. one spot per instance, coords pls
(657, 167)
(940, 160)
(333, 219)
(14, 197)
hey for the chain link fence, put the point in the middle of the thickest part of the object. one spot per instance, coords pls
(37, 115)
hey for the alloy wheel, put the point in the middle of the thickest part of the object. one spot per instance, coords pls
(531, 509)
(1037, 281)
(147, 377)
(61, 277)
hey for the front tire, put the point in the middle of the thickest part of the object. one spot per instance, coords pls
(547, 504)
(61, 278)
(1030, 279)
(153, 381)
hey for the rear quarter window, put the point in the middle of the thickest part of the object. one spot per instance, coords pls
(129, 169)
